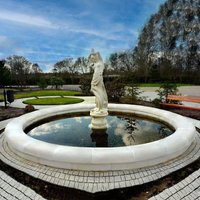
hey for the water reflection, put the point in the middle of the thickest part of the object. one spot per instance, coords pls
(100, 137)
(122, 131)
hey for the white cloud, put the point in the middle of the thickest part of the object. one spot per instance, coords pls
(5, 42)
(39, 52)
(26, 19)
(69, 29)
(48, 67)
(70, 26)
(3, 39)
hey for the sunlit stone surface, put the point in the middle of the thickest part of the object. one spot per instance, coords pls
(101, 159)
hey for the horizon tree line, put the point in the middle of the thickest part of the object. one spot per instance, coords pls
(168, 49)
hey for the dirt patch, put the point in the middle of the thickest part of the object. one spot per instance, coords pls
(195, 114)
(10, 112)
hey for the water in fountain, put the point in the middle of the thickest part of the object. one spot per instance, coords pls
(121, 131)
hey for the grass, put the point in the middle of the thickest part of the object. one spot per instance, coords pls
(40, 93)
(159, 84)
(53, 101)
(45, 93)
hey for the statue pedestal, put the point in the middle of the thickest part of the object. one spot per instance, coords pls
(99, 119)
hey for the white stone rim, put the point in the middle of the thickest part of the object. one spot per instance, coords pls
(100, 159)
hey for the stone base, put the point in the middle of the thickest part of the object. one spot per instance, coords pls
(99, 120)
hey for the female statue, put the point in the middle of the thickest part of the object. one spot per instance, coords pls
(97, 85)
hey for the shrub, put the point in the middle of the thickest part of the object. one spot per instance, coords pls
(133, 91)
(85, 85)
(29, 108)
(115, 89)
(166, 89)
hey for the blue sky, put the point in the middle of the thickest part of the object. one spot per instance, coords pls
(47, 31)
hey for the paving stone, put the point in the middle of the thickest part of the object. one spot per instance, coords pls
(111, 185)
(182, 191)
(91, 179)
(117, 178)
(11, 189)
(102, 181)
(90, 187)
(95, 188)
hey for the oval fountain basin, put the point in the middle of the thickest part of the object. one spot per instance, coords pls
(123, 130)
(104, 158)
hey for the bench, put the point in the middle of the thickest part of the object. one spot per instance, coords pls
(171, 98)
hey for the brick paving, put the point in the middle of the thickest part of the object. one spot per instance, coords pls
(11, 189)
(187, 189)
(98, 181)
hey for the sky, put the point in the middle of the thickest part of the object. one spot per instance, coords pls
(48, 31)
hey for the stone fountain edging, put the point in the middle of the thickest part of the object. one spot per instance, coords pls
(100, 159)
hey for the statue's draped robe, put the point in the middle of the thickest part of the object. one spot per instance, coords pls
(98, 88)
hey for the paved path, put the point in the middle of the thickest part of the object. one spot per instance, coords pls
(150, 93)
(184, 90)
(4, 123)
(18, 103)
(187, 189)
(10, 189)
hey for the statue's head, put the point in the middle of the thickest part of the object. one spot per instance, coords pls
(94, 57)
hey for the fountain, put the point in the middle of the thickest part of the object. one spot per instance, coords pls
(104, 159)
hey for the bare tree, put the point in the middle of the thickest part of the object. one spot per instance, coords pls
(65, 65)
(172, 38)
(35, 69)
(81, 65)
(20, 68)
(122, 61)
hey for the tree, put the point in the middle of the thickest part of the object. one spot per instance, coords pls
(172, 35)
(5, 76)
(144, 51)
(81, 65)
(35, 68)
(63, 66)
(42, 83)
(122, 61)
(56, 81)
(71, 67)
(20, 68)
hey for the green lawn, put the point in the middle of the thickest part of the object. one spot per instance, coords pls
(45, 93)
(159, 84)
(39, 93)
(53, 101)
